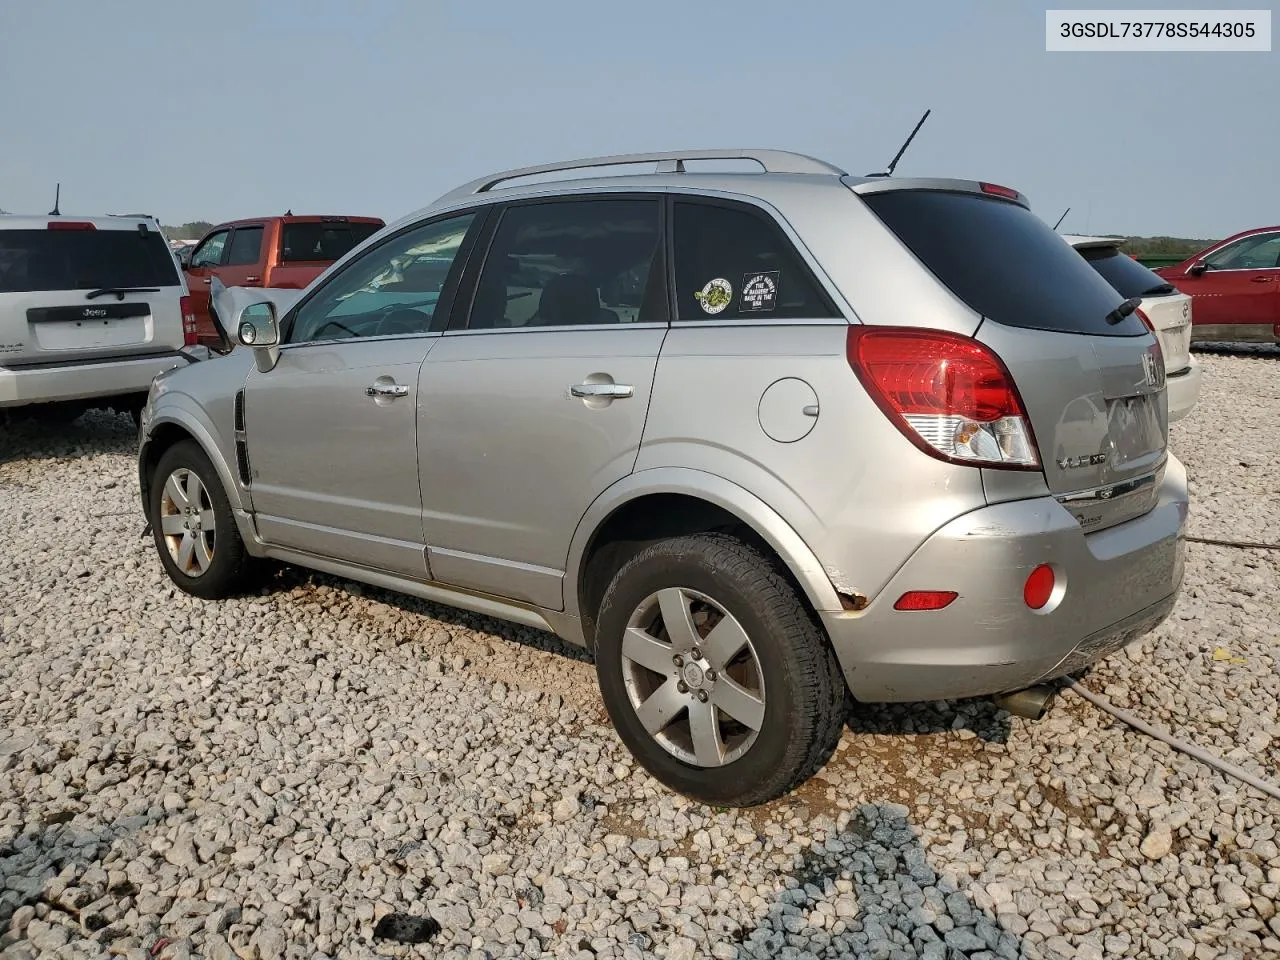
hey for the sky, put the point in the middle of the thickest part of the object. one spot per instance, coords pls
(238, 109)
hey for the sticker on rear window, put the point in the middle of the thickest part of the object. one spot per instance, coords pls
(715, 296)
(760, 291)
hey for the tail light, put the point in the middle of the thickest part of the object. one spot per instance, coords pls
(949, 395)
(189, 335)
(1146, 321)
(71, 225)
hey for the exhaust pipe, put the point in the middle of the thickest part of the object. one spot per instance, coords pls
(1030, 704)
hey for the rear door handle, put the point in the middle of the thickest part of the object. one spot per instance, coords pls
(252, 279)
(386, 390)
(613, 391)
(1263, 279)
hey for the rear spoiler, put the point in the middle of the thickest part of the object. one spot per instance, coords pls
(864, 186)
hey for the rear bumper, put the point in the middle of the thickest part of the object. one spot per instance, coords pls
(1113, 586)
(47, 383)
(1183, 390)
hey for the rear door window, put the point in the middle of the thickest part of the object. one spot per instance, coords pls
(1128, 276)
(733, 262)
(312, 241)
(38, 260)
(573, 263)
(1002, 261)
(246, 246)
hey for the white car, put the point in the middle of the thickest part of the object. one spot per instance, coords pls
(1166, 311)
(91, 308)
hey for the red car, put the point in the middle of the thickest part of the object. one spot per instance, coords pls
(280, 252)
(1234, 286)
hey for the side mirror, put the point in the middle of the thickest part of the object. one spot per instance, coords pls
(242, 313)
(257, 328)
(1197, 268)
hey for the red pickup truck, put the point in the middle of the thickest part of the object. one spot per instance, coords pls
(281, 252)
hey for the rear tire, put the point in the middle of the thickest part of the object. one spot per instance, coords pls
(749, 643)
(193, 526)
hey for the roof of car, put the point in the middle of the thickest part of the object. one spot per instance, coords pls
(17, 221)
(782, 174)
(295, 218)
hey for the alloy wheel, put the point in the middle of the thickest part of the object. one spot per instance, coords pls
(693, 677)
(187, 522)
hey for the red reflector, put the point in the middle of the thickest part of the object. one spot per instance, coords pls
(933, 372)
(1039, 587)
(1146, 321)
(189, 334)
(71, 225)
(925, 599)
(998, 191)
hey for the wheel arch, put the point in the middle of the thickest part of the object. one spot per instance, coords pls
(172, 426)
(664, 502)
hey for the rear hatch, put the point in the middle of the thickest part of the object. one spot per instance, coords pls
(1092, 383)
(1168, 311)
(84, 289)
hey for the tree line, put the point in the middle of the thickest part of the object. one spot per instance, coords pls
(188, 231)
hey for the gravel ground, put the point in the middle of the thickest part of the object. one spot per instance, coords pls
(278, 775)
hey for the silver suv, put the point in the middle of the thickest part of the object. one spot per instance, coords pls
(91, 309)
(760, 441)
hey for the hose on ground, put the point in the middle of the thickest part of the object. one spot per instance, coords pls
(1241, 544)
(1190, 749)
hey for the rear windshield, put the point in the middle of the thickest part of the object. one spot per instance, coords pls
(1003, 261)
(322, 241)
(1128, 276)
(32, 260)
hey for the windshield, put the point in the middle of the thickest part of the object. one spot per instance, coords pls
(302, 242)
(1003, 261)
(37, 260)
(1128, 276)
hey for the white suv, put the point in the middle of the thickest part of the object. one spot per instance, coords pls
(91, 308)
(1165, 311)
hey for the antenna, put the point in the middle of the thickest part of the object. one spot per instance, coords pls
(57, 196)
(888, 172)
(1061, 218)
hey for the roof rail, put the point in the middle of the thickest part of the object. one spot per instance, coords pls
(772, 161)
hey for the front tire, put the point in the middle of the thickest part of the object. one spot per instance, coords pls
(194, 529)
(715, 673)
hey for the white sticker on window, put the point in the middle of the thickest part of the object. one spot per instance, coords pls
(760, 291)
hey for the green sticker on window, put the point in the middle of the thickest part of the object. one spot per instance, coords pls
(715, 296)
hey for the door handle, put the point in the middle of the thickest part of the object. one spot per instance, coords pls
(252, 279)
(206, 280)
(612, 391)
(1262, 279)
(386, 390)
